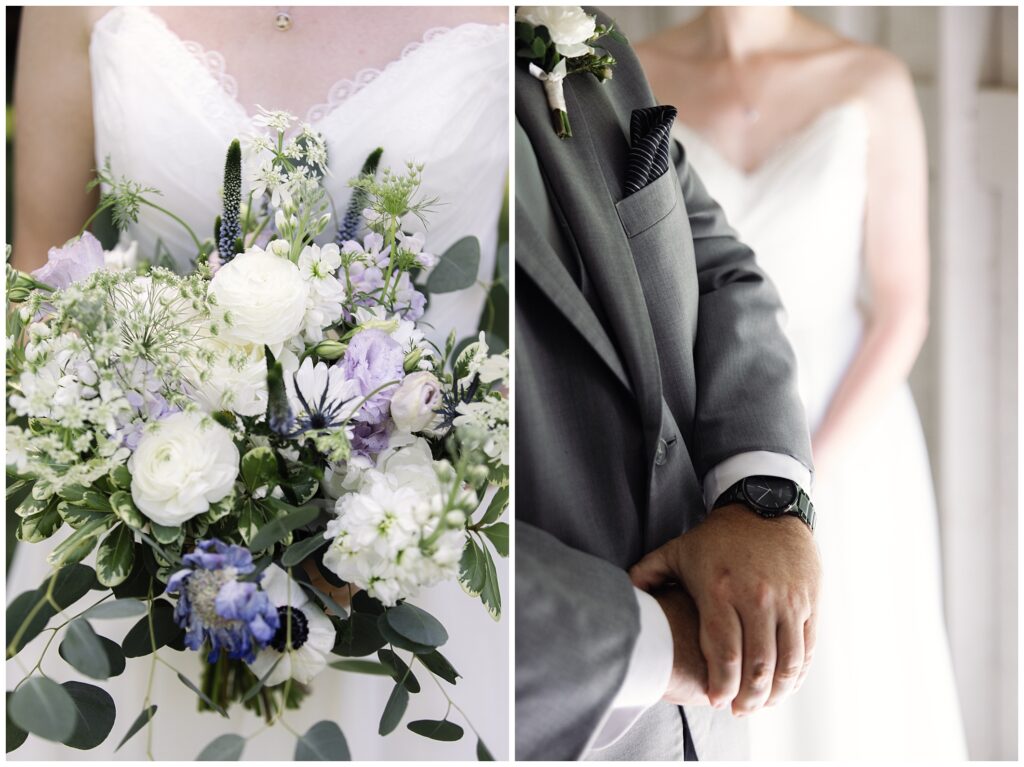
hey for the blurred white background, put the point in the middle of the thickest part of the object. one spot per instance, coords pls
(964, 64)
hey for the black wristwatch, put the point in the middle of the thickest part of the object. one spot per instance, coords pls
(770, 497)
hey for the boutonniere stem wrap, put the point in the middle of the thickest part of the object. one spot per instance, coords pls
(559, 41)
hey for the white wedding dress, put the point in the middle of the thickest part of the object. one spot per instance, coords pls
(881, 685)
(165, 111)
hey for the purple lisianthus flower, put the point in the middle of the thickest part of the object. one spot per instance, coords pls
(235, 616)
(373, 358)
(369, 438)
(73, 262)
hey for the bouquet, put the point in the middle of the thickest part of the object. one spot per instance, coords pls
(266, 457)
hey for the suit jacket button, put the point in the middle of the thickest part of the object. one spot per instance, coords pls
(661, 454)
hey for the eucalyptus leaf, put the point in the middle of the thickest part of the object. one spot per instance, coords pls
(73, 582)
(436, 729)
(15, 735)
(498, 535)
(82, 648)
(483, 754)
(323, 742)
(95, 714)
(303, 549)
(394, 710)
(118, 608)
(115, 556)
(140, 721)
(137, 642)
(400, 671)
(416, 625)
(207, 700)
(502, 262)
(439, 665)
(278, 528)
(399, 641)
(44, 708)
(359, 666)
(358, 635)
(225, 748)
(457, 268)
(18, 612)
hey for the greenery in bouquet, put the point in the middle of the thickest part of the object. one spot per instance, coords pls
(264, 460)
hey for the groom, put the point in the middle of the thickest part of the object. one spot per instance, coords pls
(666, 574)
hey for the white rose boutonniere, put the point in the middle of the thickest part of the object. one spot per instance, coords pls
(559, 41)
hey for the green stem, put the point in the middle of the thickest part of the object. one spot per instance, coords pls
(99, 209)
(198, 244)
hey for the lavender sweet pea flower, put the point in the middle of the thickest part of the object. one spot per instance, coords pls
(73, 262)
(372, 359)
(235, 616)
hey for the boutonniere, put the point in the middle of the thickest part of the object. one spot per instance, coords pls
(559, 41)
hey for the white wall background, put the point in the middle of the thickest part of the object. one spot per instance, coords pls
(964, 63)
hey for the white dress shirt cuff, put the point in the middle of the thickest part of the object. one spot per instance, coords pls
(648, 674)
(758, 462)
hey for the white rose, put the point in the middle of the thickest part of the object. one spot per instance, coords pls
(414, 402)
(264, 295)
(236, 381)
(181, 466)
(568, 26)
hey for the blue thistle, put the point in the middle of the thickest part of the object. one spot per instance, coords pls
(230, 230)
(349, 228)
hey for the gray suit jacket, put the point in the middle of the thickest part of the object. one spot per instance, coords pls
(667, 361)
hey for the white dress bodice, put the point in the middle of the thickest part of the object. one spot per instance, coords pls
(165, 111)
(802, 212)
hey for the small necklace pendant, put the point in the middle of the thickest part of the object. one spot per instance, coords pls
(283, 21)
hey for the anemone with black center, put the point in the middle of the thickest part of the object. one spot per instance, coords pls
(300, 629)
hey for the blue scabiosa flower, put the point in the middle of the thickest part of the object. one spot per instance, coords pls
(235, 616)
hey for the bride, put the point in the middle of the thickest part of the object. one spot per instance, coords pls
(813, 145)
(162, 92)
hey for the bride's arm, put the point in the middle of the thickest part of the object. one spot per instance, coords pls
(895, 255)
(53, 143)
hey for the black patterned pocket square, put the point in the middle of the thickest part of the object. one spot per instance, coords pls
(650, 132)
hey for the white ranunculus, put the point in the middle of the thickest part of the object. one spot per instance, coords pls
(236, 381)
(264, 297)
(124, 256)
(183, 463)
(414, 403)
(569, 26)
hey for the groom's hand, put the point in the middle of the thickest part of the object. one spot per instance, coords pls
(688, 685)
(755, 582)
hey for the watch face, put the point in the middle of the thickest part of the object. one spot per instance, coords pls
(770, 495)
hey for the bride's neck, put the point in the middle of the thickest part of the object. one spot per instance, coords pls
(737, 32)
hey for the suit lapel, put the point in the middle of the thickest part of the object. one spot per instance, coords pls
(587, 183)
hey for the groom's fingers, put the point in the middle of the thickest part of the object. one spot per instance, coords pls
(721, 641)
(810, 637)
(790, 663)
(759, 654)
(654, 569)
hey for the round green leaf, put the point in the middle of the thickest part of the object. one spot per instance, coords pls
(226, 748)
(483, 754)
(73, 583)
(82, 648)
(457, 268)
(416, 625)
(392, 637)
(323, 742)
(95, 715)
(400, 672)
(299, 551)
(119, 608)
(359, 666)
(436, 729)
(279, 527)
(440, 666)
(115, 556)
(44, 708)
(15, 735)
(358, 635)
(137, 642)
(18, 613)
(394, 710)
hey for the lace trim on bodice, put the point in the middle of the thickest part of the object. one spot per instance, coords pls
(215, 65)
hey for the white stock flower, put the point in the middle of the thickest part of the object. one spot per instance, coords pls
(415, 402)
(569, 26)
(236, 381)
(263, 296)
(183, 463)
(384, 536)
(312, 633)
(318, 266)
(124, 256)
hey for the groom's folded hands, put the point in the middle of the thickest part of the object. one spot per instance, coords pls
(688, 684)
(755, 583)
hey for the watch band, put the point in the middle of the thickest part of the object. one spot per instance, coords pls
(802, 507)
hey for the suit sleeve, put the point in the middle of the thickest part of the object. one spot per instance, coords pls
(747, 397)
(577, 619)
